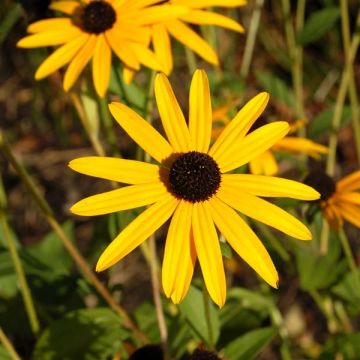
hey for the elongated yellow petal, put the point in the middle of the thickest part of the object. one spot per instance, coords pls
(135, 33)
(121, 48)
(200, 113)
(240, 125)
(137, 232)
(243, 240)
(171, 115)
(67, 7)
(101, 65)
(351, 197)
(79, 62)
(47, 25)
(129, 6)
(155, 14)
(60, 57)
(162, 47)
(268, 186)
(145, 56)
(141, 132)
(264, 211)
(201, 17)
(49, 38)
(121, 170)
(198, 4)
(128, 75)
(264, 164)
(301, 145)
(180, 255)
(254, 144)
(192, 40)
(350, 182)
(350, 212)
(128, 197)
(208, 250)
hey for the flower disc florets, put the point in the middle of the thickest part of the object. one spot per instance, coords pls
(321, 182)
(194, 177)
(97, 17)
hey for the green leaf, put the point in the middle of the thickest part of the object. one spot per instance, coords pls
(193, 309)
(318, 24)
(8, 277)
(4, 355)
(277, 88)
(88, 334)
(247, 346)
(12, 16)
(346, 347)
(145, 316)
(226, 250)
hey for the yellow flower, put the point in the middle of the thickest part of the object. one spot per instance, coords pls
(92, 30)
(339, 200)
(178, 29)
(266, 164)
(192, 184)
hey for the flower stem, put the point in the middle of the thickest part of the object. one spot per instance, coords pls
(8, 346)
(251, 37)
(208, 317)
(73, 251)
(191, 60)
(24, 287)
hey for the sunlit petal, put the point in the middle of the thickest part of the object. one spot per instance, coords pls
(101, 65)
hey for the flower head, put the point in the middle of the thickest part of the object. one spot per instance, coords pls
(339, 200)
(193, 184)
(92, 30)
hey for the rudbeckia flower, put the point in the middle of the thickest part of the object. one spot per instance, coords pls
(266, 164)
(192, 183)
(92, 30)
(339, 200)
(180, 30)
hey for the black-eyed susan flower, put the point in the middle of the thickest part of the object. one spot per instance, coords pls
(179, 29)
(95, 29)
(339, 200)
(192, 183)
(265, 163)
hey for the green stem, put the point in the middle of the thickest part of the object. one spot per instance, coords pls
(8, 346)
(352, 86)
(251, 37)
(191, 60)
(69, 246)
(120, 83)
(24, 287)
(208, 317)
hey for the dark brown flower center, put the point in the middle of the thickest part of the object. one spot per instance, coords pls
(321, 182)
(194, 177)
(97, 17)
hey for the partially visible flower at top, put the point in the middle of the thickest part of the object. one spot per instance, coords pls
(180, 30)
(92, 30)
(339, 200)
(192, 184)
(266, 164)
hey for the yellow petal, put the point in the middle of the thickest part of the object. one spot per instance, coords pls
(47, 25)
(128, 75)
(135, 33)
(136, 4)
(141, 132)
(264, 211)
(243, 240)
(264, 164)
(146, 56)
(254, 144)
(125, 198)
(79, 62)
(301, 145)
(351, 213)
(121, 170)
(162, 47)
(180, 255)
(268, 186)
(101, 65)
(171, 115)
(201, 17)
(236, 129)
(137, 232)
(350, 182)
(192, 40)
(351, 197)
(60, 57)
(200, 113)
(208, 250)
(49, 38)
(209, 3)
(67, 7)
(122, 49)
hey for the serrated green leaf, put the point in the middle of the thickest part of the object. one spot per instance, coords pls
(247, 346)
(88, 334)
(193, 309)
(318, 24)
